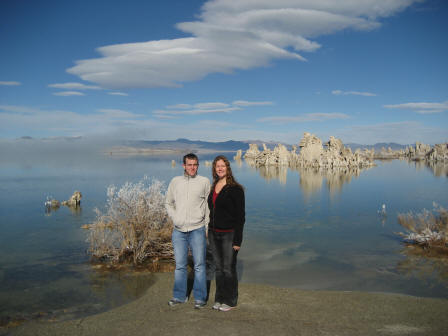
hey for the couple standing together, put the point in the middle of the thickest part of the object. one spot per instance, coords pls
(200, 212)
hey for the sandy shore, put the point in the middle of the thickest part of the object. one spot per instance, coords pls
(262, 310)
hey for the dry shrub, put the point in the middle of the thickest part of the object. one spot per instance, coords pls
(427, 229)
(135, 225)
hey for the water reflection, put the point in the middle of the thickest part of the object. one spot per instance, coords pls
(126, 286)
(426, 265)
(311, 179)
(439, 169)
(238, 162)
(62, 291)
(270, 172)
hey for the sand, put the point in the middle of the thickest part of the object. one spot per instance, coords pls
(262, 310)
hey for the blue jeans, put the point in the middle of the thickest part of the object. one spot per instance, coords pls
(182, 241)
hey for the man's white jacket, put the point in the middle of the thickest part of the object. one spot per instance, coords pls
(186, 202)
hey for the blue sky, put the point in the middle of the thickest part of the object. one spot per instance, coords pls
(364, 71)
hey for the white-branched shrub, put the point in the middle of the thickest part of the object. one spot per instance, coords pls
(428, 228)
(135, 225)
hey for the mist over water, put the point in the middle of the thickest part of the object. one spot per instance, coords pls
(310, 229)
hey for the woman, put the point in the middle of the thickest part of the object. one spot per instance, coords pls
(225, 231)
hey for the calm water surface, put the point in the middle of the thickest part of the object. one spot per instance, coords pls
(305, 229)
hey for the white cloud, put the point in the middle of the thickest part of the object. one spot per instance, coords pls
(197, 111)
(11, 83)
(18, 109)
(118, 114)
(211, 105)
(231, 36)
(308, 117)
(215, 123)
(249, 103)
(179, 106)
(113, 124)
(354, 93)
(74, 86)
(422, 108)
(68, 93)
(166, 116)
(39, 122)
(117, 94)
(207, 107)
(405, 132)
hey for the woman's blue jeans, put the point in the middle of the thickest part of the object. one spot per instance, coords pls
(195, 241)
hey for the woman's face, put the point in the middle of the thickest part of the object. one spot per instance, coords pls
(221, 169)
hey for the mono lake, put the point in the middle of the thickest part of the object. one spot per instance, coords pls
(307, 229)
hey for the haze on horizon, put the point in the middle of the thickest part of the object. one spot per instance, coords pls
(366, 72)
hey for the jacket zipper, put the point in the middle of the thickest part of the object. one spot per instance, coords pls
(188, 192)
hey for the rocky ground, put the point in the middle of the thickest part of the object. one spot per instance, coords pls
(262, 310)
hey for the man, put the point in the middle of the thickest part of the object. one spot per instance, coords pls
(186, 203)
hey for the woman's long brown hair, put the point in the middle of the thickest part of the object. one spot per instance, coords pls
(230, 180)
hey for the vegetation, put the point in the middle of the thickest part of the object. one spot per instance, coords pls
(428, 229)
(135, 225)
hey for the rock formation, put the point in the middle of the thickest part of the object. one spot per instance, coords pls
(238, 155)
(252, 152)
(312, 154)
(280, 156)
(438, 153)
(52, 204)
(74, 201)
(385, 154)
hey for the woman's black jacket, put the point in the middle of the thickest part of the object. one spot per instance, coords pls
(229, 211)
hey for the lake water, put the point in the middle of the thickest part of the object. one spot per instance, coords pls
(305, 229)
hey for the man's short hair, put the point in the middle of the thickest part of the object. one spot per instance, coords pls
(190, 156)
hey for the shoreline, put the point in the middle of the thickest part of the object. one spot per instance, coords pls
(135, 151)
(262, 309)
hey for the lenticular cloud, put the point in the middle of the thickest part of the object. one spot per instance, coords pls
(230, 36)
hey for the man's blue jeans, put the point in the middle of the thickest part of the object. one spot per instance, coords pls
(196, 241)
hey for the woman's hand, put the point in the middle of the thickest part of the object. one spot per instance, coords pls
(236, 248)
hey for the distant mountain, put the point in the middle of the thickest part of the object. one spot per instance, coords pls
(197, 145)
(56, 138)
(63, 138)
(186, 144)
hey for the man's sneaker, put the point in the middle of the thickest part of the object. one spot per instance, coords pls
(223, 307)
(216, 306)
(174, 302)
(199, 305)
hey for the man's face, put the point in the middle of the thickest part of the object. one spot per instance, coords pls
(191, 167)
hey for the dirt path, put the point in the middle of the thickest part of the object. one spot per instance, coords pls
(262, 310)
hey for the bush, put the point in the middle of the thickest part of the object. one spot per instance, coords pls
(135, 225)
(427, 229)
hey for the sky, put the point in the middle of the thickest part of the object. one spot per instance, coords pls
(364, 71)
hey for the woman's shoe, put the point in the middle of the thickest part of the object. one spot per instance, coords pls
(223, 307)
(216, 306)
